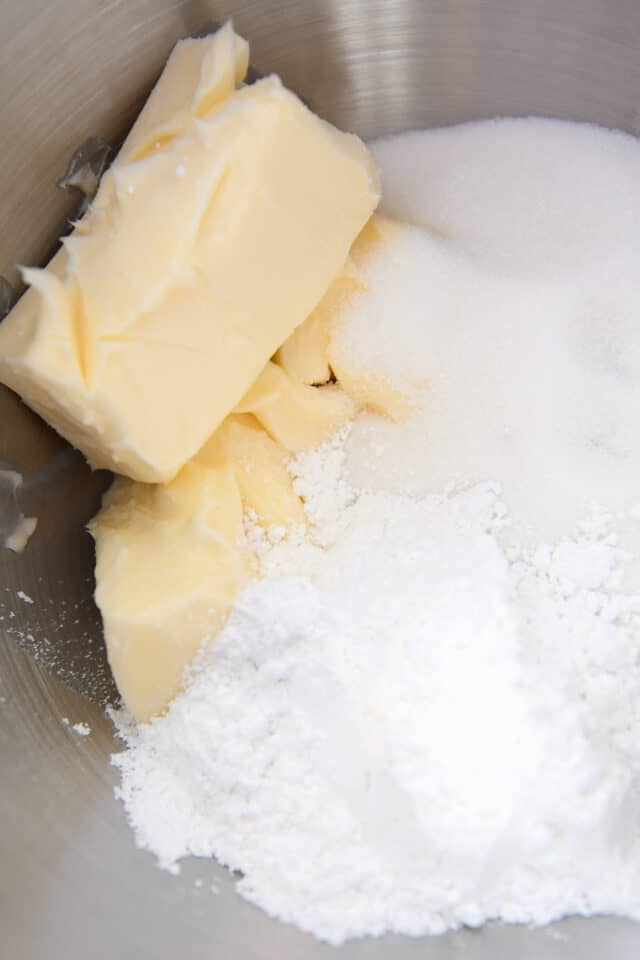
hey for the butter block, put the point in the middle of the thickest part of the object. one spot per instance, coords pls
(216, 232)
(169, 561)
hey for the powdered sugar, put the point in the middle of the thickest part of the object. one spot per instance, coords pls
(82, 729)
(428, 713)
(417, 734)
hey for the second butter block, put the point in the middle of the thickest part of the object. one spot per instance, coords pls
(221, 224)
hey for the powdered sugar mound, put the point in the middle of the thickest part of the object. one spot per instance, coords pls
(418, 734)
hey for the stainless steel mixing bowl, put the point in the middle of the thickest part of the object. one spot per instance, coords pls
(72, 884)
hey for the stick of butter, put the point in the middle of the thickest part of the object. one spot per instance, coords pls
(171, 558)
(226, 216)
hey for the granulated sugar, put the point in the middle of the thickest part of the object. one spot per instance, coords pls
(429, 715)
(519, 312)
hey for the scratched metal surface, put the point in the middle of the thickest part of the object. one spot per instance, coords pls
(72, 884)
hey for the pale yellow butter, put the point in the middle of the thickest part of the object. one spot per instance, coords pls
(216, 232)
(260, 467)
(169, 561)
(294, 414)
(171, 558)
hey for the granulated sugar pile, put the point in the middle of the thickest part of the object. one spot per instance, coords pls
(430, 715)
(519, 308)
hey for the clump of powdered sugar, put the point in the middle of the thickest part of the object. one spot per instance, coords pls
(82, 729)
(321, 482)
